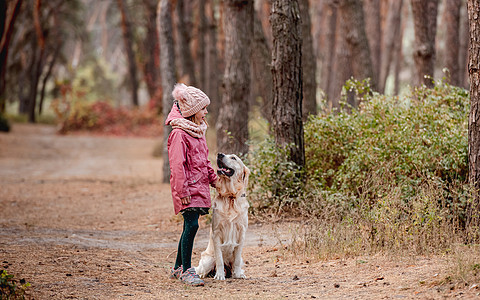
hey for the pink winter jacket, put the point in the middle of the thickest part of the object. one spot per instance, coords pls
(191, 171)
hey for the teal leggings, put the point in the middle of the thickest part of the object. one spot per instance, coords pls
(185, 245)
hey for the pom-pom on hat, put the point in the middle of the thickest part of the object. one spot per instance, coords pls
(190, 99)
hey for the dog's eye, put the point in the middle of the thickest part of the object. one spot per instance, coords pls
(234, 158)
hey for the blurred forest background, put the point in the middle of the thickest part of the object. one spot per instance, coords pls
(61, 57)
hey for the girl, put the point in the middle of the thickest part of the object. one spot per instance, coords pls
(191, 171)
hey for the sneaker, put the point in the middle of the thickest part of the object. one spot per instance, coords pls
(175, 273)
(191, 277)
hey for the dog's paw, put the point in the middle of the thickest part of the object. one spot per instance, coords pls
(239, 275)
(219, 276)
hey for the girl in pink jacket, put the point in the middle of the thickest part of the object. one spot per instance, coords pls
(191, 171)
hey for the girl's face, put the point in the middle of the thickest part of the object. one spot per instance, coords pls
(200, 116)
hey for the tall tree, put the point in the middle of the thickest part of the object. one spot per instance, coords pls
(328, 49)
(452, 22)
(185, 59)
(128, 42)
(212, 69)
(167, 67)
(5, 38)
(464, 44)
(474, 117)
(201, 44)
(392, 33)
(309, 65)
(425, 26)
(287, 78)
(351, 12)
(151, 54)
(373, 28)
(232, 123)
(261, 73)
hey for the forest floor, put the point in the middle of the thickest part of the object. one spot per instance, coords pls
(87, 217)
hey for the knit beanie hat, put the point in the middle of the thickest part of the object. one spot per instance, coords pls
(190, 99)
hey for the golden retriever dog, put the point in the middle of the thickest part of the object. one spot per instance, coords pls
(229, 221)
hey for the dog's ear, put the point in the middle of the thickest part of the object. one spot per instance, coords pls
(246, 174)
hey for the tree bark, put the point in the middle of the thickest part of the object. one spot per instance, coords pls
(342, 69)
(398, 57)
(452, 39)
(328, 70)
(351, 12)
(464, 44)
(425, 26)
(261, 71)
(167, 67)
(151, 52)
(212, 69)
(184, 27)
(5, 38)
(128, 42)
(474, 117)
(201, 55)
(309, 64)
(287, 78)
(232, 123)
(373, 30)
(392, 30)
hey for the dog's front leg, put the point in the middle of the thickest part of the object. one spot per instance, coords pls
(220, 273)
(237, 255)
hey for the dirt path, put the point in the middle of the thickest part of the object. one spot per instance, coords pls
(85, 217)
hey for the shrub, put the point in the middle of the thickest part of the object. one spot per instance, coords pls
(388, 175)
(75, 114)
(10, 288)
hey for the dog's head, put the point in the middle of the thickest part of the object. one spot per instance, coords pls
(233, 174)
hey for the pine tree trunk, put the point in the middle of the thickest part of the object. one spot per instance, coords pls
(232, 123)
(201, 45)
(167, 67)
(425, 25)
(398, 57)
(342, 70)
(474, 117)
(261, 73)
(6, 35)
(187, 67)
(309, 65)
(128, 41)
(464, 44)
(212, 69)
(287, 78)
(391, 36)
(328, 70)
(151, 66)
(373, 29)
(452, 39)
(351, 12)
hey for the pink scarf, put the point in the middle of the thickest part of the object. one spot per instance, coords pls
(191, 128)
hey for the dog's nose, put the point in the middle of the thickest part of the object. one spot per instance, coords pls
(220, 155)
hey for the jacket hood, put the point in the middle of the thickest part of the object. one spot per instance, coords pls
(173, 115)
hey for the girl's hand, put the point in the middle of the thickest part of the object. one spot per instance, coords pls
(186, 200)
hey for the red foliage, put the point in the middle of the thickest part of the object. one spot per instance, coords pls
(102, 118)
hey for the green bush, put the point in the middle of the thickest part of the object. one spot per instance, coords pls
(277, 181)
(10, 288)
(390, 174)
(422, 136)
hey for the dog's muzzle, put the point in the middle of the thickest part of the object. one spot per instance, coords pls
(222, 168)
